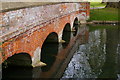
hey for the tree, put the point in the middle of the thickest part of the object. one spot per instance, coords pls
(115, 4)
(103, 1)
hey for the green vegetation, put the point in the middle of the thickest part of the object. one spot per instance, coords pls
(97, 4)
(105, 14)
(108, 14)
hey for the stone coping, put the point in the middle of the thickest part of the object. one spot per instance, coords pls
(8, 6)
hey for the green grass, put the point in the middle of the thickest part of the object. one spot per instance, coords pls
(105, 14)
(97, 4)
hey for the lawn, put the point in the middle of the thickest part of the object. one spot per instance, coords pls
(97, 4)
(108, 14)
(104, 14)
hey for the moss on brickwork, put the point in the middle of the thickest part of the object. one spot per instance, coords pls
(17, 5)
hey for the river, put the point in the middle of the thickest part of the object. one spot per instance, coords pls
(99, 57)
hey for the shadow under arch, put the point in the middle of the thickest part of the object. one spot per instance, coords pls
(75, 26)
(49, 51)
(20, 59)
(17, 66)
(66, 35)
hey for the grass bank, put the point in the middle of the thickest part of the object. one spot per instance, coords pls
(105, 14)
(97, 4)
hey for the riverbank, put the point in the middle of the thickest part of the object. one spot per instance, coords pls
(104, 22)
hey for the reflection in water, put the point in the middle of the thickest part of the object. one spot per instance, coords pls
(76, 29)
(17, 66)
(66, 37)
(49, 52)
(15, 72)
(118, 51)
(109, 69)
(99, 58)
(75, 26)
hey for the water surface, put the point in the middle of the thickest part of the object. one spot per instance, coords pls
(99, 57)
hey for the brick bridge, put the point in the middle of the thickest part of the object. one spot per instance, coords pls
(25, 29)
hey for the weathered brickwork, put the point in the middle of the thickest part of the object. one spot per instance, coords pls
(25, 30)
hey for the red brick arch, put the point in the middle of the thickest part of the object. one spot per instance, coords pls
(31, 40)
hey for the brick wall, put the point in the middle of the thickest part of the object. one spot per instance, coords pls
(23, 30)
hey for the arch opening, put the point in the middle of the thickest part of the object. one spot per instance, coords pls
(75, 27)
(52, 38)
(66, 35)
(49, 51)
(20, 59)
(17, 66)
